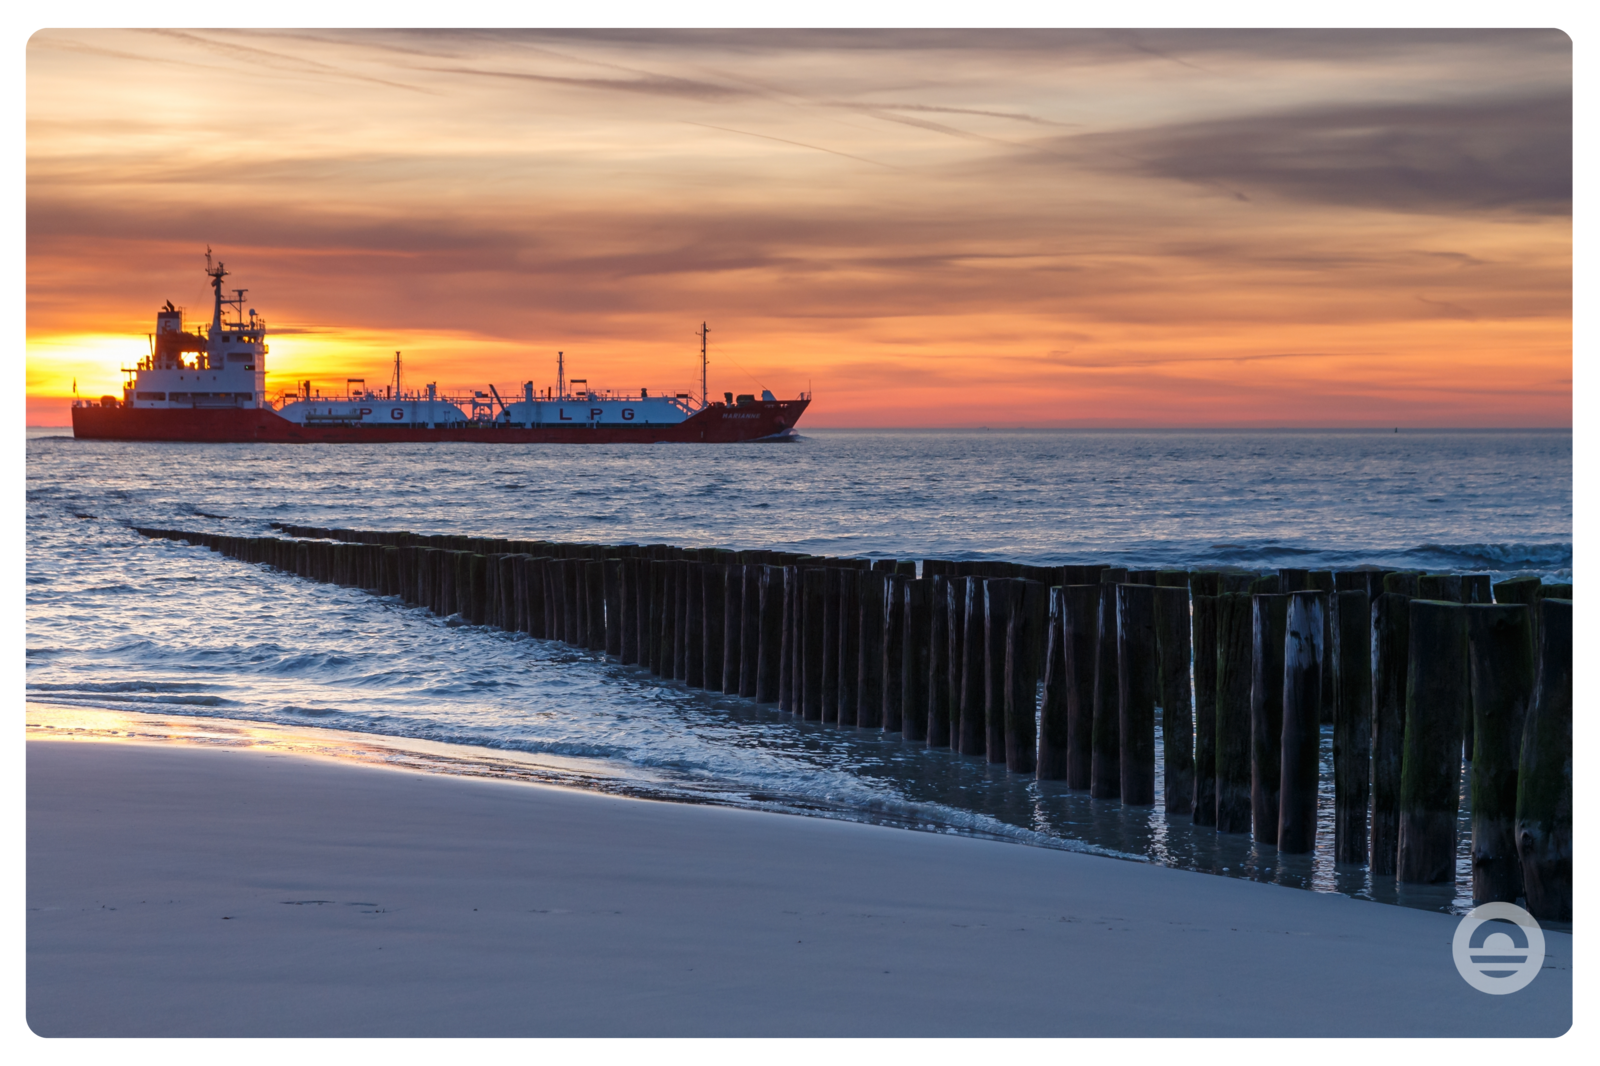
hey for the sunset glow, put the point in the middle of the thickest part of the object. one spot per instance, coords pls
(1041, 228)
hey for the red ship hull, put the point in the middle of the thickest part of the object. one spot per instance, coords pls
(717, 424)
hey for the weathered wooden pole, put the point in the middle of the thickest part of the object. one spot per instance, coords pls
(1268, 627)
(1136, 681)
(694, 620)
(790, 639)
(1544, 780)
(939, 661)
(914, 660)
(714, 597)
(1105, 770)
(849, 646)
(1234, 711)
(894, 630)
(574, 587)
(1173, 659)
(1391, 641)
(750, 630)
(679, 603)
(1501, 671)
(1080, 645)
(1055, 731)
(1302, 716)
(732, 627)
(1023, 647)
(659, 619)
(830, 641)
(628, 610)
(611, 580)
(973, 732)
(1430, 774)
(869, 665)
(769, 649)
(1352, 723)
(997, 593)
(1206, 587)
(812, 582)
(594, 580)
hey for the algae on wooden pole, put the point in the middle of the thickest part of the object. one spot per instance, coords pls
(1352, 723)
(973, 733)
(996, 620)
(1205, 702)
(1430, 769)
(812, 584)
(1500, 658)
(1055, 737)
(1105, 769)
(1544, 779)
(1391, 640)
(1136, 679)
(1023, 648)
(869, 688)
(914, 660)
(1302, 715)
(938, 660)
(1234, 719)
(1269, 622)
(1173, 659)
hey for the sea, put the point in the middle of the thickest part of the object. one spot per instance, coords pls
(155, 639)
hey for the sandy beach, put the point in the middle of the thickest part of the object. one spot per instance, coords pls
(183, 891)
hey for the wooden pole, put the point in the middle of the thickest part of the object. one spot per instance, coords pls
(1055, 732)
(997, 593)
(769, 650)
(812, 581)
(1105, 770)
(939, 661)
(680, 619)
(830, 641)
(869, 666)
(1080, 645)
(973, 733)
(1022, 676)
(1268, 629)
(732, 627)
(1136, 679)
(750, 630)
(1352, 723)
(1544, 783)
(714, 608)
(1302, 716)
(612, 592)
(1206, 587)
(786, 653)
(694, 620)
(1501, 671)
(1430, 774)
(914, 660)
(894, 628)
(628, 610)
(849, 646)
(1173, 660)
(1235, 660)
(1391, 640)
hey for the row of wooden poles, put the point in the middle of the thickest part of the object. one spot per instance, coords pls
(1415, 672)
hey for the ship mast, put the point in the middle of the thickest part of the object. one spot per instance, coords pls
(561, 376)
(216, 274)
(397, 375)
(704, 329)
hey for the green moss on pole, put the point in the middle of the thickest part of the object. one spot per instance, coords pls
(1352, 723)
(1501, 674)
(1430, 773)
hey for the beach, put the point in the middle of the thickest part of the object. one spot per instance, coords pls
(190, 891)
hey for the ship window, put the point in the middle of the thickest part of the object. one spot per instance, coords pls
(240, 357)
(150, 395)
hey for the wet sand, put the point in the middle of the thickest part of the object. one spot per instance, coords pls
(183, 891)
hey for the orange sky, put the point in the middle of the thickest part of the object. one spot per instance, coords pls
(1035, 228)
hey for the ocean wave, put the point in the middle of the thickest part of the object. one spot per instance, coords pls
(122, 686)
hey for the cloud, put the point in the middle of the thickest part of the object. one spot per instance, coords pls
(1484, 154)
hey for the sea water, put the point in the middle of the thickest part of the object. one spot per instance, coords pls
(121, 622)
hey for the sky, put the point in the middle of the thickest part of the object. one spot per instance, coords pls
(919, 228)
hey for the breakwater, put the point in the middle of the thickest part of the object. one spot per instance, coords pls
(1062, 673)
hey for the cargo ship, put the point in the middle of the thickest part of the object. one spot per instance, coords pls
(213, 387)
